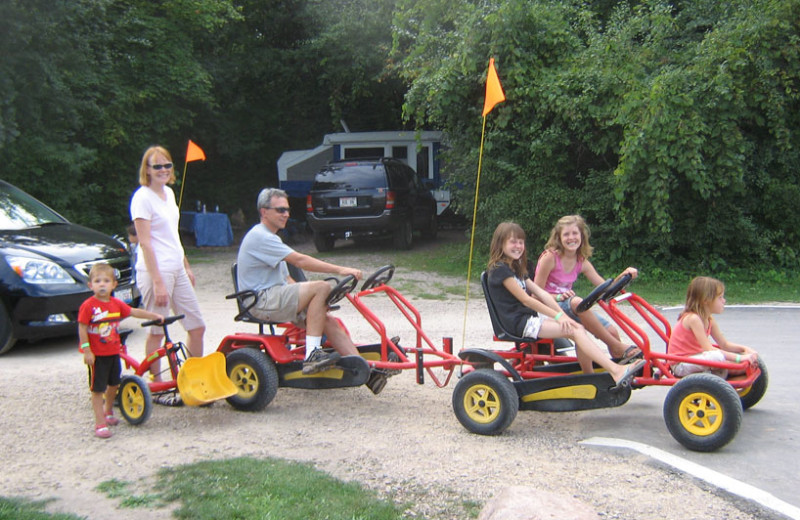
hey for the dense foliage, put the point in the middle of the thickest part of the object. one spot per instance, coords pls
(673, 127)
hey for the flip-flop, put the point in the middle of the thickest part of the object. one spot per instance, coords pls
(168, 399)
(631, 353)
(630, 373)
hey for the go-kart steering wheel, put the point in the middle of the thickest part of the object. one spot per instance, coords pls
(379, 277)
(593, 296)
(618, 286)
(345, 285)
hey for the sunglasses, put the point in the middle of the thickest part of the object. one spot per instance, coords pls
(157, 167)
(279, 210)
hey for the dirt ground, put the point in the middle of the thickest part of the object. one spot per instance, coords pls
(405, 443)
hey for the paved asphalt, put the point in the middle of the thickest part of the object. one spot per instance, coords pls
(766, 451)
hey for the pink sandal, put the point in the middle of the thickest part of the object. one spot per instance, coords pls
(102, 431)
(111, 420)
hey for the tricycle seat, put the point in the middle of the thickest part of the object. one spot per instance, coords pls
(245, 300)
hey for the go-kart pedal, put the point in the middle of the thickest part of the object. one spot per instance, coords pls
(318, 361)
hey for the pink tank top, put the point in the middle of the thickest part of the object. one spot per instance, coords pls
(559, 281)
(682, 341)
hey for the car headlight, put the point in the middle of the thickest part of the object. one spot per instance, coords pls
(38, 271)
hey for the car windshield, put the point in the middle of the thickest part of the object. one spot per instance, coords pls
(18, 210)
(361, 176)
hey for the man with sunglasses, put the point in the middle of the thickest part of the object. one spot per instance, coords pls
(262, 268)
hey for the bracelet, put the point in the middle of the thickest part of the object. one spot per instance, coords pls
(83, 346)
(558, 315)
(738, 357)
(558, 297)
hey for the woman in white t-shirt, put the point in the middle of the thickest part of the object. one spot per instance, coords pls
(163, 274)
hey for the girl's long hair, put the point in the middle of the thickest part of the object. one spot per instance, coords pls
(701, 292)
(554, 242)
(502, 233)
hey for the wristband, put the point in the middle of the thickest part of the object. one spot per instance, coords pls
(558, 315)
(83, 346)
(558, 297)
(738, 357)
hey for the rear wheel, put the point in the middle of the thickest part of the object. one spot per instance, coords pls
(135, 399)
(404, 235)
(323, 242)
(7, 338)
(255, 377)
(753, 393)
(432, 229)
(485, 402)
(703, 412)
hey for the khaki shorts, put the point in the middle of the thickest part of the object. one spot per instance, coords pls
(279, 304)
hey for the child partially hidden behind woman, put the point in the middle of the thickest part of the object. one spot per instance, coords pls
(704, 297)
(520, 302)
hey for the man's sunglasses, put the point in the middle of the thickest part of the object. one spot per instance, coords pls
(157, 167)
(279, 210)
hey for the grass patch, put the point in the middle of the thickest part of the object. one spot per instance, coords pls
(19, 509)
(256, 488)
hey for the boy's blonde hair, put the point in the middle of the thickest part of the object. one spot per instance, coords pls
(701, 291)
(502, 233)
(554, 242)
(102, 268)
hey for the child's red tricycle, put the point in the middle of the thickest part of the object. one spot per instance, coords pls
(198, 380)
(702, 411)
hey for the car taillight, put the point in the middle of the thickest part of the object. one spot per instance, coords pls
(389, 199)
(309, 205)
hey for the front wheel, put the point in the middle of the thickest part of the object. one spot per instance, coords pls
(753, 393)
(255, 377)
(485, 402)
(7, 338)
(135, 400)
(703, 412)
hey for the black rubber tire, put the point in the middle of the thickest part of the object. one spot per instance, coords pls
(403, 237)
(703, 412)
(485, 402)
(7, 339)
(380, 277)
(753, 394)
(134, 399)
(256, 377)
(323, 242)
(430, 231)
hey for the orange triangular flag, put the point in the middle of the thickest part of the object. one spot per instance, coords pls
(494, 91)
(194, 153)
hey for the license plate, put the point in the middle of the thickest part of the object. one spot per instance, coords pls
(347, 202)
(125, 294)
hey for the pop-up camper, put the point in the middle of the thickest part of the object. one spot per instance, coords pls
(419, 150)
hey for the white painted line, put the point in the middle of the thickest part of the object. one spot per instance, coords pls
(714, 478)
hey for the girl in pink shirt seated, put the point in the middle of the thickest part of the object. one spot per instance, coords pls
(565, 257)
(704, 297)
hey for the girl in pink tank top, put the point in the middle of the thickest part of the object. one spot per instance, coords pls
(566, 256)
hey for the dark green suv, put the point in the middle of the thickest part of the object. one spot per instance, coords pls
(357, 198)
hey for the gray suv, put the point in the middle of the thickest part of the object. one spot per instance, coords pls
(357, 198)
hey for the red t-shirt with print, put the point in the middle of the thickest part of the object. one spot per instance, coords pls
(102, 322)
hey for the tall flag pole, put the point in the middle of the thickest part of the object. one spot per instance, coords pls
(193, 153)
(494, 95)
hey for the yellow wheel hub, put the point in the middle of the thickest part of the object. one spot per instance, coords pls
(701, 414)
(482, 404)
(246, 380)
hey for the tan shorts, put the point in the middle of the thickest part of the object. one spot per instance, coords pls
(279, 304)
(182, 299)
(684, 369)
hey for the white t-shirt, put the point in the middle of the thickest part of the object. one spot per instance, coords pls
(164, 237)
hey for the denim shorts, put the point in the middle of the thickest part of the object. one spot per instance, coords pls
(567, 308)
